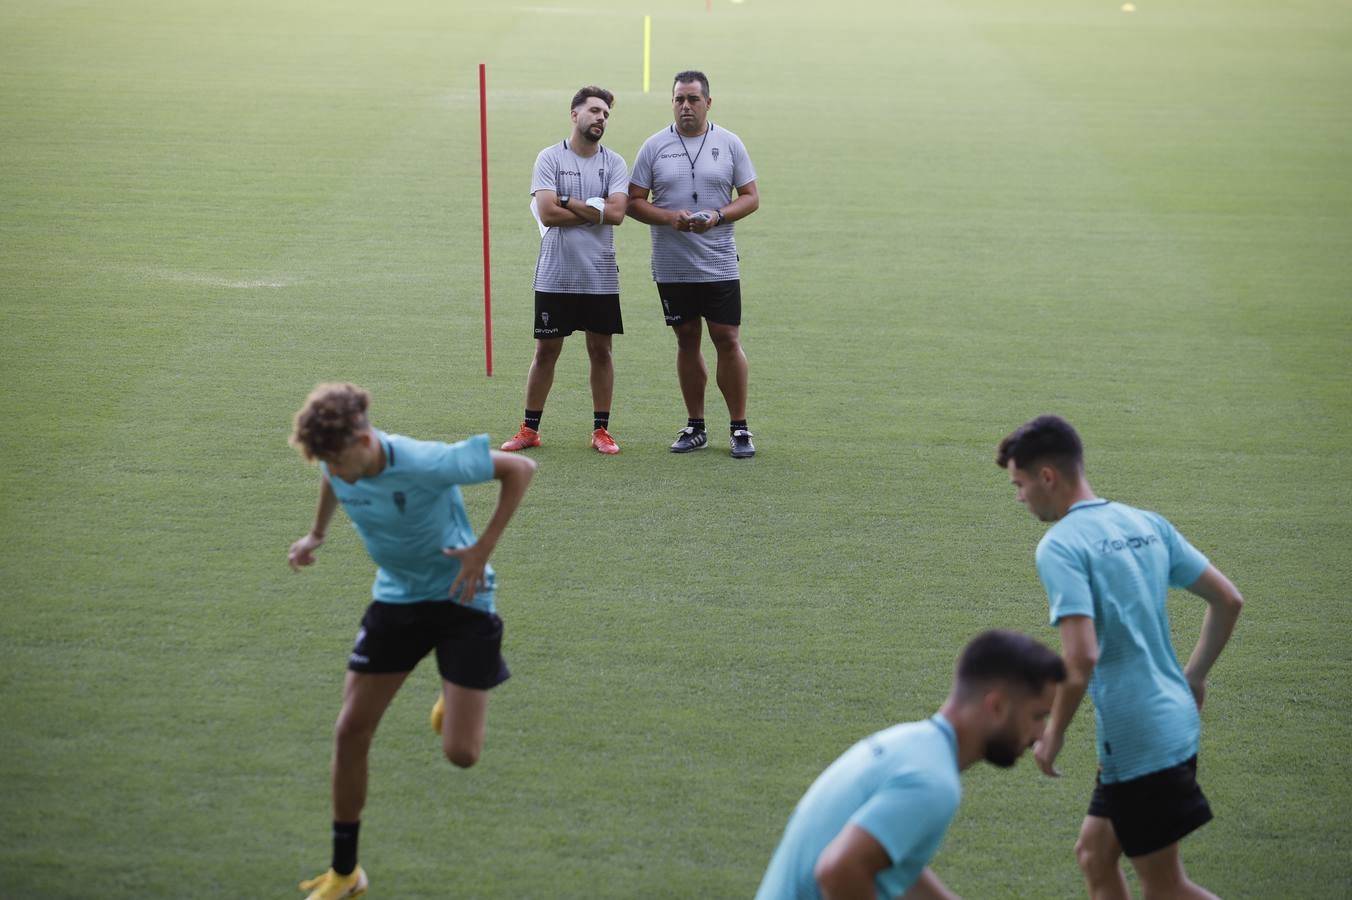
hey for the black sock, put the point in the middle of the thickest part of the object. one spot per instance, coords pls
(697, 424)
(601, 419)
(739, 425)
(345, 846)
(533, 418)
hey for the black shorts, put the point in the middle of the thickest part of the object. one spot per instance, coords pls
(717, 301)
(1151, 812)
(394, 637)
(559, 315)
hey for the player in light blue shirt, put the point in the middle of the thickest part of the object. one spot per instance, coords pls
(1107, 569)
(869, 825)
(433, 591)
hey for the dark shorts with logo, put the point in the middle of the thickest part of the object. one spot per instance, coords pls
(1151, 812)
(394, 637)
(559, 315)
(717, 301)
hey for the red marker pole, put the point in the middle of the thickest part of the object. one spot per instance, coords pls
(483, 156)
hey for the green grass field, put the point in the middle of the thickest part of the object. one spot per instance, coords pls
(972, 212)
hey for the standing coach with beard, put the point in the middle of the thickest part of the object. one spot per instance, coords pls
(580, 193)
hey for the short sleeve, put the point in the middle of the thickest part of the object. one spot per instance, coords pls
(466, 462)
(1186, 562)
(1066, 580)
(742, 170)
(642, 175)
(908, 817)
(618, 182)
(545, 175)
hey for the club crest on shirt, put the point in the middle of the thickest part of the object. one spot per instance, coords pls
(400, 500)
(714, 151)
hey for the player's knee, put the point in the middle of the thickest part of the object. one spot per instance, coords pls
(725, 341)
(548, 352)
(1094, 862)
(349, 734)
(462, 756)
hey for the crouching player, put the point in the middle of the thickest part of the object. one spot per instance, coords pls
(870, 823)
(433, 588)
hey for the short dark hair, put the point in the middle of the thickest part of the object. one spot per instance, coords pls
(1000, 655)
(592, 90)
(690, 75)
(1049, 438)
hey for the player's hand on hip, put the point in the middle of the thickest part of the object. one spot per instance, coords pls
(302, 552)
(1045, 751)
(473, 560)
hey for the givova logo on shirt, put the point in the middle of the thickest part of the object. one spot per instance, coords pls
(1112, 545)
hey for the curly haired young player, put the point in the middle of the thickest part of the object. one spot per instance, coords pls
(434, 589)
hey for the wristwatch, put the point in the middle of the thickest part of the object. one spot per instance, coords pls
(563, 199)
(721, 217)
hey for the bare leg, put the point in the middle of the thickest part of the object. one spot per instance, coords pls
(541, 376)
(365, 698)
(1162, 876)
(732, 367)
(463, 724)
(1098, 853)
(602, 371)
(690, 370)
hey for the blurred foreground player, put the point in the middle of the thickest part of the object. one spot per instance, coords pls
(433, 588)
(869, 825)
(1107, 568)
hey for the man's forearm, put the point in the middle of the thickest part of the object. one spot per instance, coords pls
(328, 502)
(647, 212)
(929, 887)
(1222, 612)
(514, 482)
(1069, 695)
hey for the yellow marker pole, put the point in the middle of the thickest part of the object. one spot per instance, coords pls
(647, 51)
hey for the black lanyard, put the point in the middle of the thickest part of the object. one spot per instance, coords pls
(694, 194)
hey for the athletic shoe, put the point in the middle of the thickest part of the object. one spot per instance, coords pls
(438, 709)
(602, 442)
(742, 448)
(332, 886)
(689, 438)
(526, 437)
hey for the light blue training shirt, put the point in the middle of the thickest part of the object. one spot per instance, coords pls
(412, 510)
(901, 785)
(1115, 563)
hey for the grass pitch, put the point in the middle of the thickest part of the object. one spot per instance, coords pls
(972, 212)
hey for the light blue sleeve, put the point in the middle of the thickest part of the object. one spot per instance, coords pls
(642, 175)
(1186, 562)
(742, 170)
(1066, 579)
(465, 462)
(908, 818)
